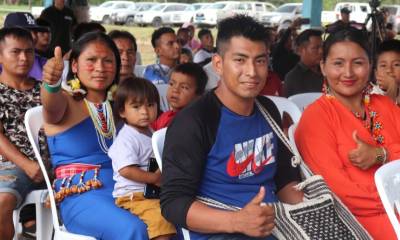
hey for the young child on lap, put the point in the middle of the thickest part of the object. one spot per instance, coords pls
(187, 82)
(136, 104)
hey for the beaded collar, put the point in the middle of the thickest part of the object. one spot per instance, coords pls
(370, 119)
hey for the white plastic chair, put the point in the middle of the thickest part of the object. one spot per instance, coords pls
(157, 142)
(33, 123)
(44, 225)
(285, 105)
(387, 180)
(292, 129)
(302, 100)
(162, 91)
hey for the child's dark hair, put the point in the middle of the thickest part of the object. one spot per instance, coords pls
(158, 33)
(203, 32)
(389, 46)
(346, 35)
(134, 89)
(15, 32)
(196, 72)
(239, 26)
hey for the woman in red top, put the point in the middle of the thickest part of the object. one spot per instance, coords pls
(347, 134)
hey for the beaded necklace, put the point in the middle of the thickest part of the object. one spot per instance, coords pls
(370, 119)
(102, 117)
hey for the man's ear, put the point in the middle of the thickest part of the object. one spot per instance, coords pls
(217, 63)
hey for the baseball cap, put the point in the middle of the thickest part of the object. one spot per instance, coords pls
(345, 10)
(22, 20)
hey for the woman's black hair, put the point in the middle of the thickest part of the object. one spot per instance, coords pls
(80, 45)
(346, 35)
(137, 90)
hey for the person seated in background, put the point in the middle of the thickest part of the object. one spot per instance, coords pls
(187, 83)
(194, 44)
(183, 36)
(131, 153)
(222, 149)
(273, 85)
(167, 49)
(186, 56)
(205, 53)
(306, 75)
(387, 71)
(27, 21)
(19, 170)
(348, 133)
(283, 56)
(127, 47)
(43, 38)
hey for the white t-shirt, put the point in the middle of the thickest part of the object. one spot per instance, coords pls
(131, 147)
(202, 55)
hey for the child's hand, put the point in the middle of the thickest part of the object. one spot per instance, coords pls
(157, 178)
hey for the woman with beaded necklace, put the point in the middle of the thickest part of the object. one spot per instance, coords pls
(80, 129)
(348, 133)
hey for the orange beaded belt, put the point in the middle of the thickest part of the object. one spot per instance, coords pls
(65, 175)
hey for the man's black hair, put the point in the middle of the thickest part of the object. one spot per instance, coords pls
(158, 33)
(203, 32)
(196, 72)
(389, 46)
(239, 26)
(305, 36)
(16, 32)
(183, 30)
(115, 34)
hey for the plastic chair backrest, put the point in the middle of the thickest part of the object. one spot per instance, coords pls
(162, 91)
(387, 180)
(33, 123)
(292, 129)
(157, 141)
(285, 105)
(302, 100)
(139, 70)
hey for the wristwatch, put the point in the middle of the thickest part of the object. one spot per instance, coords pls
(380, 156)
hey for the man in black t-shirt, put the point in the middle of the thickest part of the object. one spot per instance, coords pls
(62, 21)
(222, 149)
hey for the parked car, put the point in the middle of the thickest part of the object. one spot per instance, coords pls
(394, 16)
(127, 16)
(254, 9)
(181, 15)
(359, 11)
(103, 12)
(154, 15)
(208, 15)
(198, 6)
(284, 14)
